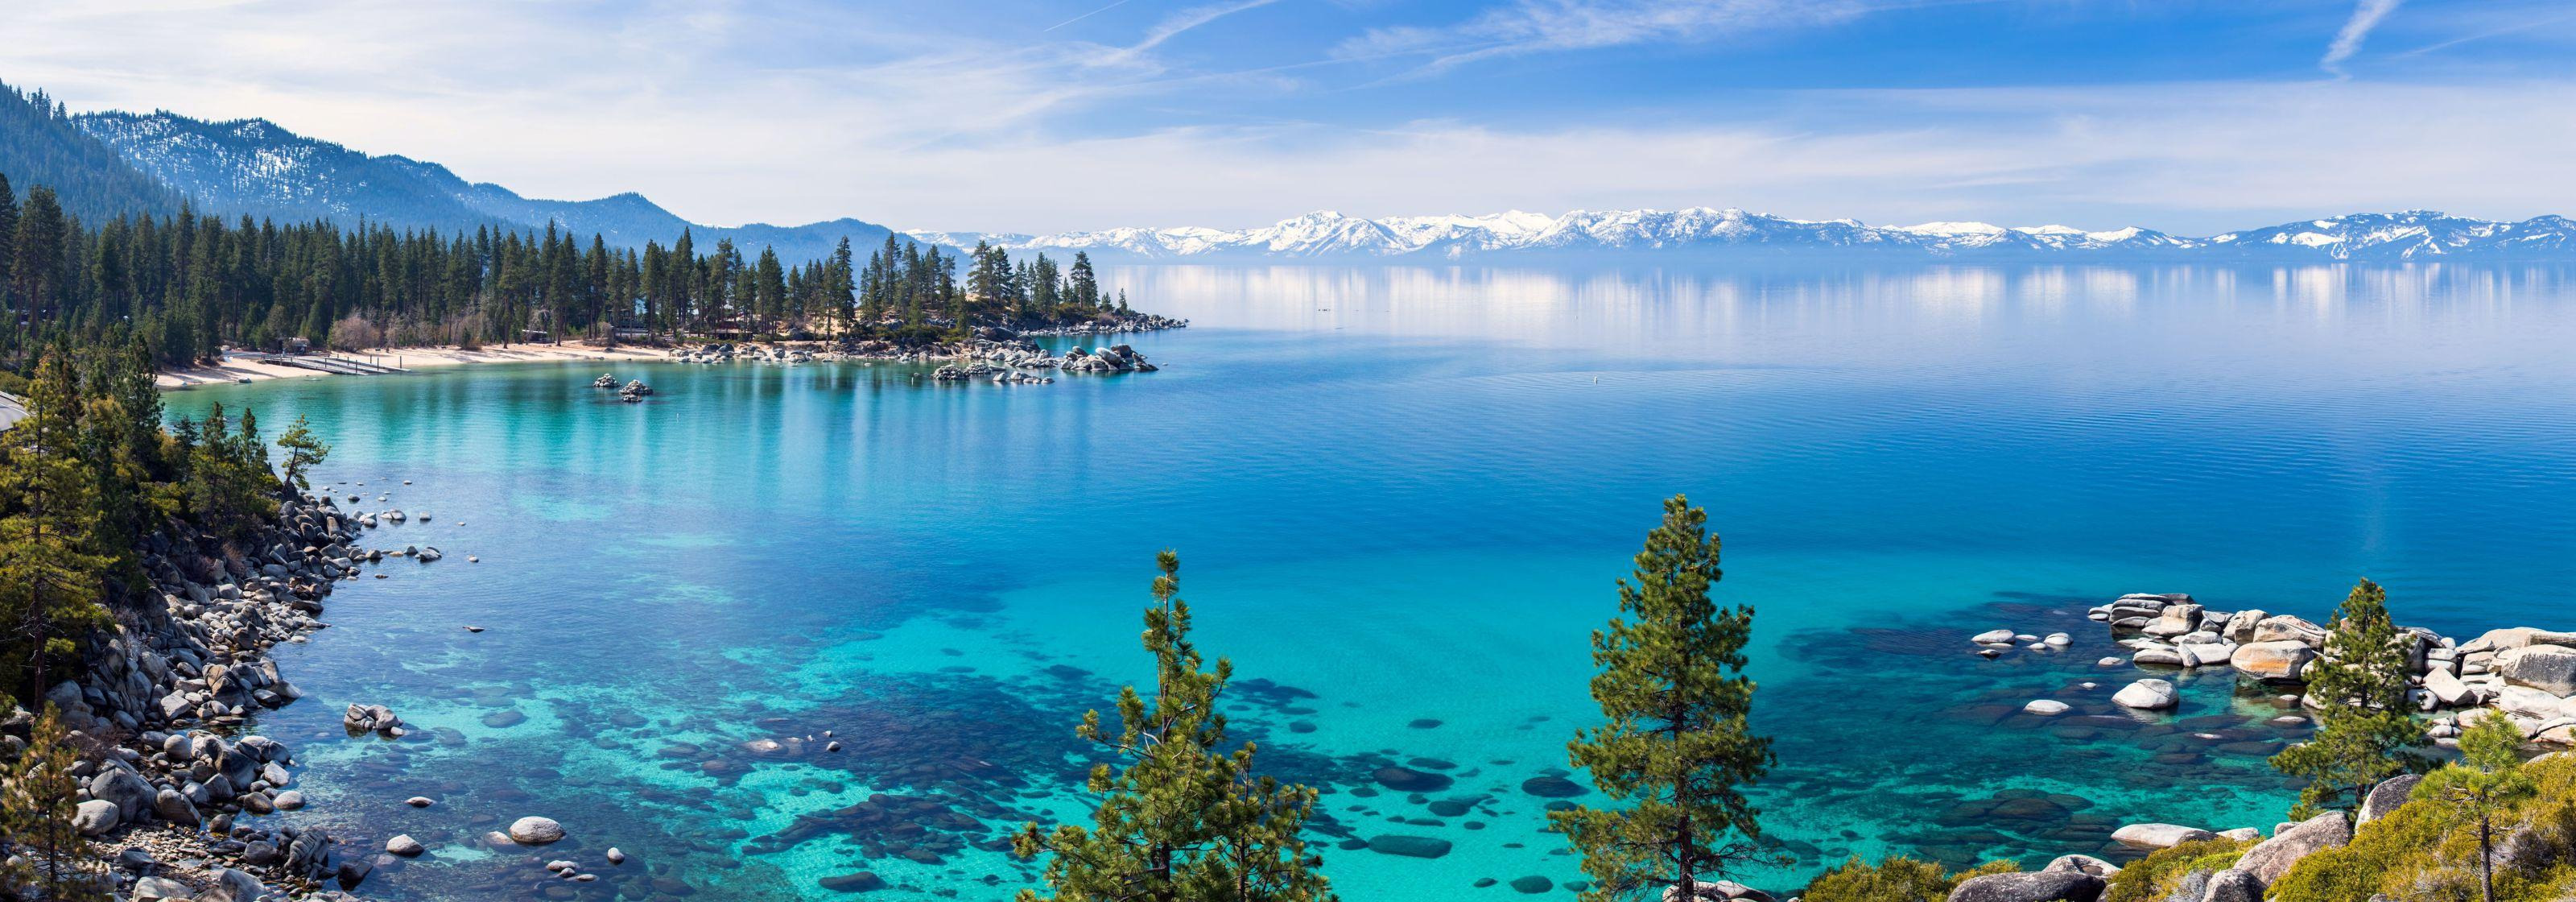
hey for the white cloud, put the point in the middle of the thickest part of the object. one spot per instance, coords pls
(2347, 41)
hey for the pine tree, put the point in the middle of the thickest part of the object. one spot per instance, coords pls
(1182, 821)
(1677, 752)
(49, 569)
(303, 450)
(2365, 732)
(38, 796)
(2485, 783)
(1086, 285)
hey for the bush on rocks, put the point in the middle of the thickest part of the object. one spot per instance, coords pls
(1895, 878)
(2422, 850)
(2159, 875)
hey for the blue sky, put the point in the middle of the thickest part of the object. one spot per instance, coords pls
(1044, 115)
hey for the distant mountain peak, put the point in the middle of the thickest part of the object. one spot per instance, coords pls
(1730, 231)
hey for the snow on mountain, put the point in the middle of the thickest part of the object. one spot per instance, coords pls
(253, 167)
(1324, 234)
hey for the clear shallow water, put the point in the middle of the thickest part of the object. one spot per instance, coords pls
(1401, 496)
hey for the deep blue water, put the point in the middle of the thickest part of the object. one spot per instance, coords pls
(1401, 497)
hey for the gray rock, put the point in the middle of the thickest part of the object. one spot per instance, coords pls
(2281, 627)
(535, 831)
(2232, 885)
(157, 889)
(404, 846)
(95, 817)
(132, 794)
(310, 851)
(234, 886)
(2548, 668)
(2147, 695)
(2240, 628)
(2386, 796)
(2276, 660)
(2449, 690)
(2273, 858)
(2516, 637)
(2165, 655)
(2036, 886)
(2083, 864)
(173, 806)
(2158, 836)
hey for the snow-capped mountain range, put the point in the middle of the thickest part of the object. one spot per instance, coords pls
(114, 163)
(2409, 235)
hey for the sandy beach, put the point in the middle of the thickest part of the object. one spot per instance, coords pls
(247, 369)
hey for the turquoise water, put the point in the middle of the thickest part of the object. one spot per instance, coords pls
(1401, 496)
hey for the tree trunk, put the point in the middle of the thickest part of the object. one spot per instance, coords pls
(2486, 861)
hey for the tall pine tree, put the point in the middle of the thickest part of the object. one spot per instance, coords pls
(50, 582)
(2366, 732)
(1677, 751)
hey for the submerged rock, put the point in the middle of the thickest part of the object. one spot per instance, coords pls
(535, 831)
(861, 882)
(1552, 787)
(1405, 779)
(2149, 695)
(1409, 846)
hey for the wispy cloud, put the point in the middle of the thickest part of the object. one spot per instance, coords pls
(2347, 40)
(1095, 12)
(1534, 26)
(2514, 27)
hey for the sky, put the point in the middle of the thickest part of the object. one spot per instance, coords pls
(1054, 115)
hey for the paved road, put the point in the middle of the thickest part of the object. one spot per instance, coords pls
(11, 411)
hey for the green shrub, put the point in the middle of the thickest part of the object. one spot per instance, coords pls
(1895, 878)
(2425, 850)
(2156, 876)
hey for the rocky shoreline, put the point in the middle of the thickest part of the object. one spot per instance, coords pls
(2527, 674)
(994, 353)
(1005, 360)
(173, 786)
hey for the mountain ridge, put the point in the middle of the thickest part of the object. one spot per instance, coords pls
(1327, 235)
(257, 168)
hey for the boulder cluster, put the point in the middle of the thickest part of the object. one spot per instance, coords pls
(1125, 323)
(728, 352)
(1112, 359)
(2528, 674)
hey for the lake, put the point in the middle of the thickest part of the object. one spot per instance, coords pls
(1402, 496)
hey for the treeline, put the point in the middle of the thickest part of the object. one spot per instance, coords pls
(188, 285)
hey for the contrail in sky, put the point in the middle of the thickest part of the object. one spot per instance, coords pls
(1084, 16)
